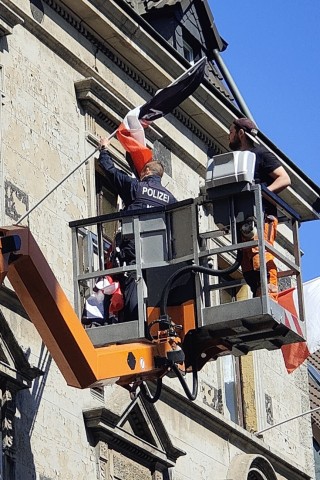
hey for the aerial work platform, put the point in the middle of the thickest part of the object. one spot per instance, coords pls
(188, 281)
(184, 237)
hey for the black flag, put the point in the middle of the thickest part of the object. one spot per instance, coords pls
(170, 97)
(131, 133)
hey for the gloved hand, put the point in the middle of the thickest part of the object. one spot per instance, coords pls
(103, 143)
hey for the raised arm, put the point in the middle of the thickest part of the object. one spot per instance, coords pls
(123, 184)
(281, 180)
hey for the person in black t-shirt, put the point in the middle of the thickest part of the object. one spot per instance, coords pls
(136, 194)
(270, 172)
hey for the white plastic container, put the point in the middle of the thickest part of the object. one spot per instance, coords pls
(230, 167)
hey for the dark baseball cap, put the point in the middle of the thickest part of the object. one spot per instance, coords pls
(247, 125)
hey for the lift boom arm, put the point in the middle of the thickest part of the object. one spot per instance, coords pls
(81, 364)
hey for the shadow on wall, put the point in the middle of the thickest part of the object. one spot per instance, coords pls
(4, 44)
(28, 402)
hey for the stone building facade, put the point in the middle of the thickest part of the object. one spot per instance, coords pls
(69, 72)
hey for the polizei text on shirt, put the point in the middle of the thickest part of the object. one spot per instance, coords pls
(157, 194)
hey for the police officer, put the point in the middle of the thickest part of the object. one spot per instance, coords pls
(136, 194)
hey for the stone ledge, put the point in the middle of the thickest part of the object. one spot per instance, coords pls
(105, 107)
(237, 436)
(8, 20)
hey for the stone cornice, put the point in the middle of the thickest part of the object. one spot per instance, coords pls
(101, 103)
(140, 80)
(104, 426)
(8, 20)
(235, 435)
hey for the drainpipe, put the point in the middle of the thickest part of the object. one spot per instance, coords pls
(2, 190)
(232, 85)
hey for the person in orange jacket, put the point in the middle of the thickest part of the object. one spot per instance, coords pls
(270, 172)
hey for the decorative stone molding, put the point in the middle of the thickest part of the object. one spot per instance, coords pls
(245, 467)
(264, 460)
(102, 452)
(15, 374)
(145, 442)
(133, 74)
(100, 103)
(7, 418)
(86, 33)
(8, 20)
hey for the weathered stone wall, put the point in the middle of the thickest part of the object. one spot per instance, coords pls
(45, 133)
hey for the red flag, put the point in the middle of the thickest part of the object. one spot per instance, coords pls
(131, 136)
(131, 133)
(295, 354)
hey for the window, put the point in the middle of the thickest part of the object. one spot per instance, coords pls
(230, 365)
(188, 52)
(106, 203)
(231, 388)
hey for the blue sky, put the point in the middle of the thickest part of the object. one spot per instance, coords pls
(274, 58)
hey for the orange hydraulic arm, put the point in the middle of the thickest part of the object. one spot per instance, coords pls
(81, 364)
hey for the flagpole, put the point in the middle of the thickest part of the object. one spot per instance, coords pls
(203, 59)
(183, 73)
(61, 182)
(285, 421)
